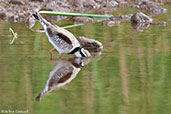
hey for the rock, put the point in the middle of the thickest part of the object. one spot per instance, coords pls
(124, 17)
(168, 4)
(111, 4)
(2, 15)
(16, 2)
(122, 3)
(84, 4)
(82, 19)
(38, 0)
(153, 10)
(150, 7)
(111, 23)
(14, 9)
(21, 18)
(140, 17)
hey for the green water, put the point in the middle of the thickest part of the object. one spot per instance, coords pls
(132, 76)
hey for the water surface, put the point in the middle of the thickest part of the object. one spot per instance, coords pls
(132, 76)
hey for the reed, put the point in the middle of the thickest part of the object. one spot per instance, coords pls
(75, 14)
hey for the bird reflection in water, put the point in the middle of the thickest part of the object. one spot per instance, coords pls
(64, 72)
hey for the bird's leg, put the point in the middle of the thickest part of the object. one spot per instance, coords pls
(60, 56)
(51, 53)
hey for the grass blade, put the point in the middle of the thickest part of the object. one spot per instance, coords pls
(75, 14)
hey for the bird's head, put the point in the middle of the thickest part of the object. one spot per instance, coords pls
(36, 15)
